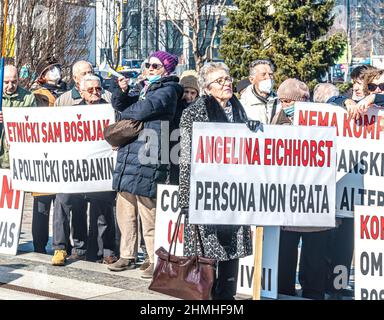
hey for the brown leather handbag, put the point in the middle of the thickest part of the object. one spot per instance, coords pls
(189, 278)
(122, 132)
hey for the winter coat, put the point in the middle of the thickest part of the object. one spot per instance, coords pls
(258, 107)
(21, 98)
(132, 174)
(73, 98)
(174, 171)
(282, 119)
(46, 94)
(220, 242)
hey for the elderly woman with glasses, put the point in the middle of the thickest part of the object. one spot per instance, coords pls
(139, 167)
(227, 243)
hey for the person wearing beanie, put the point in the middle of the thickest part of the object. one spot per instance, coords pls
(136, 175)
(48, 85)
(289, 92)
(312, 269)
(191, 88)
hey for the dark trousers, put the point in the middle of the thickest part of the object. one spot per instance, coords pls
(312, 267)
(224, 287)
(40, 221)
(340, 251)
(64, 205)
(101, 238)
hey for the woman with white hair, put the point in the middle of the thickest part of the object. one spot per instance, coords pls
(227, 243)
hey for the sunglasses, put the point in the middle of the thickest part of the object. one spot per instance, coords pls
(94, 89)
(373, 87)
(155, 66)
(222, 81)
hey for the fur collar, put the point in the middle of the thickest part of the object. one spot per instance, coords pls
(216, 113)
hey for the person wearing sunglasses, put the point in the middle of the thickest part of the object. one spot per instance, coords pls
(100, 245)
(226, 244)
(91, 90)
(139, 167)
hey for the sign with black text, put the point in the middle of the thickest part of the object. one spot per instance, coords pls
(167, 211)
(60, 150)
(11, 209)
(369, 243)
(283, 176)
(359, 159)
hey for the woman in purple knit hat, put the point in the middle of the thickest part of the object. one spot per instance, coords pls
(138, 168)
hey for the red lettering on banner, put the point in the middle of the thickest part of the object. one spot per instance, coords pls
(267, 151)
(371, 227)
(227, 140)
(209, 149)
(303, 118)
(218, 149)
(364, 234)
(179, 236)
(7, 194)
(200, 151)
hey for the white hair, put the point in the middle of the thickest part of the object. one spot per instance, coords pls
(76, 66)
(324, 91)
(206, 70)
(88, 77)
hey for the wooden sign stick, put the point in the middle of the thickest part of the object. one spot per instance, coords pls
(258, 263)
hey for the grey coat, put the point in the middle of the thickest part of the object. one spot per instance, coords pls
(219, 242)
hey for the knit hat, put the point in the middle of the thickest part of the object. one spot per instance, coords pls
(44, 65)
(242, 85)
(293, 89)
(168, 60)
(188, 79)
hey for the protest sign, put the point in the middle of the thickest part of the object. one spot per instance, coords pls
(167, 211)
(60, 150)
(369, 242)
(283, 176)
(11, 209)
(358, 149)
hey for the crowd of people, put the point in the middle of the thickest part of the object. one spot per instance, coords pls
(205, 97)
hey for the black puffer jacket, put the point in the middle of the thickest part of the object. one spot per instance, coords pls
(141, 176)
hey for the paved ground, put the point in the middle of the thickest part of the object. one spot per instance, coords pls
(30, 276)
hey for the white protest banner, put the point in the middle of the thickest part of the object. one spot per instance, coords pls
(358, 149)
(270, 266)
(284, 175)
(369, 242)
(60, 150)
(11, 209)
(167, 211)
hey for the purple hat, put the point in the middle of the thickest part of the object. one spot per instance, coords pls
(168, 60)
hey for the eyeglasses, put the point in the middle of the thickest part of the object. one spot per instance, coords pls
(94, 89)
(222, 81)
(155, 66)
(373, 86)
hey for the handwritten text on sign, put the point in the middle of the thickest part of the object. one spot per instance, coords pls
(282, 176)
(11, 208)
(358, 149)
(60, 149)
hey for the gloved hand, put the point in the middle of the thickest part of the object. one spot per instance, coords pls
(255, 125)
